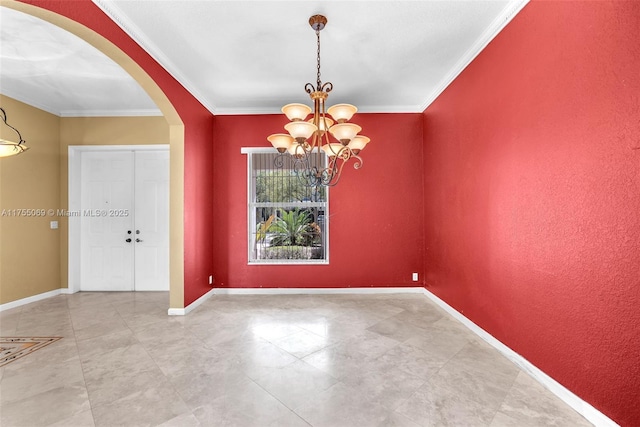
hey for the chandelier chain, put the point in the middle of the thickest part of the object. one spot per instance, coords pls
(318, 58)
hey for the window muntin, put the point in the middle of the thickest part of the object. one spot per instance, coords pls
(288, 222)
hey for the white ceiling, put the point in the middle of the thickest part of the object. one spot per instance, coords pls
(49, 68)
(246, 57)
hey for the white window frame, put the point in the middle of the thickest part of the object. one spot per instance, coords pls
(251, 209)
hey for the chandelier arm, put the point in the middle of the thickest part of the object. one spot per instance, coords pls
(278, 162)
(4, 119)
(301, 167)
(331, 175)
(314, 142)
(309, 88)
(358, 162)
(314, 177)
(327, 87)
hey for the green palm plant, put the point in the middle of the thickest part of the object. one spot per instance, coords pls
(291, 228)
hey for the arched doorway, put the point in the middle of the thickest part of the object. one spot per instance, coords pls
(176, 139)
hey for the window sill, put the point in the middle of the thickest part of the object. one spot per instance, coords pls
(283, 262)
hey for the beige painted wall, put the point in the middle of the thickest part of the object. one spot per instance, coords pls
(100, 131)
(34, 258)
(29, 249)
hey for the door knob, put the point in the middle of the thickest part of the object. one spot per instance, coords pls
(128, 240)
(138, 240)
(128, 231)
(137, 231)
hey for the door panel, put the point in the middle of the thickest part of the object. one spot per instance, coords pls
(122, 192)
(152, 220)
(106, 258)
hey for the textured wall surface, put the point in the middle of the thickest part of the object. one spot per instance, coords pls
(532, 196)
(376, 211)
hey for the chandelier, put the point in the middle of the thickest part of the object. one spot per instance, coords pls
(306, 135)
(11, 148)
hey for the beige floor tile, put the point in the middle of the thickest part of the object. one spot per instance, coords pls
(46, 407)
(183, 420)
(24, 380)
(336, 360)
(100, 327)
(439, 343)
(295, 384)
(396, 329)
(9, 321)
(342, 405)
(397, 420)
(411, 360)
(249, 405)
(291, 419)
(435, 406)
(384, 388)
(528, 404)
(198, 387)
(302, 343)
(81, 419)
(151, 405)
(256, 360)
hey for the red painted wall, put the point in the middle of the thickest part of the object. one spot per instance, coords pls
(376, 231)
(198, 122)
(532, 196)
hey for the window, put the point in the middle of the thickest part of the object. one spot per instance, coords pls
(288, 221)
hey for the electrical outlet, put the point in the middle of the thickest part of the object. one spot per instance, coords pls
(415, 277)
(211, 280)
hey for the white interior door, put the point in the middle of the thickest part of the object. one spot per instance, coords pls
(106, 192)
(151, 207)
(124, 221)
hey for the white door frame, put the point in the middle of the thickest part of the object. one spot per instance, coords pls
(74, 235)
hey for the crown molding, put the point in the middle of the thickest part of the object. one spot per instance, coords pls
(118, 16)
(501, 21)
(111, 113)
(361, 109)
(26, 100)
(81, 113)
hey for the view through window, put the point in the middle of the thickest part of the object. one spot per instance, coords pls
(288, 221)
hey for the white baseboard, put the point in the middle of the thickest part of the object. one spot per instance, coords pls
(585, 409)
(34, 298)
(29, 300)
(317, 291)
(192, 306)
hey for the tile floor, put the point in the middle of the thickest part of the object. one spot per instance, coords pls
(285, 360)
